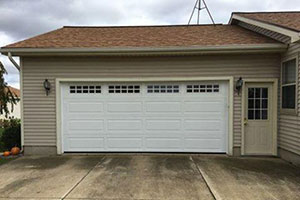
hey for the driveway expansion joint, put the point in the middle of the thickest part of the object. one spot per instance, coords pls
(72, 188)
(205, 180)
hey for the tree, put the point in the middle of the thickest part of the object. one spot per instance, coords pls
(6, 96)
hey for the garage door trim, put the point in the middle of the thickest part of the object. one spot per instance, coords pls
(59, 81)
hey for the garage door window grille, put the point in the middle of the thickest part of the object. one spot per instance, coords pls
(85, 89)
(163, 88)
(210, 88)
(123, 89)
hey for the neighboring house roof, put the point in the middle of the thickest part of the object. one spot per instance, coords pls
(144, 36)
(288, 20)
(15, 91)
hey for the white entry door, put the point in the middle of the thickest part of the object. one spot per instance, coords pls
(145, 117)
(258, 122)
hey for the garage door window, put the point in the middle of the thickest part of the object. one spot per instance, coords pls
(163, 88)
(86, 89)
(202, 88)
(123, 89)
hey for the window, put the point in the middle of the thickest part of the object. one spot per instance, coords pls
(288, 86)
(163, 88)
(202, 88)
(86, 89)
(257, 103)
(123, 89)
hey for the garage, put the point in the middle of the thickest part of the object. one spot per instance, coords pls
(144, 117)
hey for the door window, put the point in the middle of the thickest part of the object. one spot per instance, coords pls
(257, 103)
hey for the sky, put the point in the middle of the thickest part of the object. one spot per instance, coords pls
(21, 19)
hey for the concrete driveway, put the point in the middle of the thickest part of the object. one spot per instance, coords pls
(149, 177)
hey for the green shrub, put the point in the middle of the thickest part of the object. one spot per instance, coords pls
(11, 135)
(1, 143)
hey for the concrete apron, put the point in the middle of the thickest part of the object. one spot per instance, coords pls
(98, 177)
(42, 177)
(149, 177)
(250, 178)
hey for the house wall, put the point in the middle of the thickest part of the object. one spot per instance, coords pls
(39, 109)
(289, 124)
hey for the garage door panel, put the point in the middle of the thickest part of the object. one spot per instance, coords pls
(164, 143)
(152, 119)
(196, 143)
(121, 143)
(120, 124)
(204, 116)
(86, 143)
(91, 107)
(204, 134)
(163, 107)
(122, 134)
(86, 116)
(85, 134)
(127, 107)
(86, 125)
(202, 107)
(163, 124)
(202, 125)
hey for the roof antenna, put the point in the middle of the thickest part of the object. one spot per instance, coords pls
(199, 8)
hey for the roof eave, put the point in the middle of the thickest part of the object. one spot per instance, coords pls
(276, 47)
(294, 35)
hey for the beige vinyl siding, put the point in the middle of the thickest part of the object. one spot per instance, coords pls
(274, 35)
(39, 109)
(289, 124)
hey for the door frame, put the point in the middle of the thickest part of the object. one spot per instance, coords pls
(58, 91)
(274, 82)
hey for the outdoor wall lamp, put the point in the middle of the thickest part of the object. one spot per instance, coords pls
(239, 85)
(47, 86)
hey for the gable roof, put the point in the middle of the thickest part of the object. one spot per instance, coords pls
(288, 20)
(144, 36)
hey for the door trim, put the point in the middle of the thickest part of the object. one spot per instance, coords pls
(274, 81)
(59, 81)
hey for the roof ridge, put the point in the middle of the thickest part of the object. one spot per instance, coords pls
(265, 12)
(145, 26)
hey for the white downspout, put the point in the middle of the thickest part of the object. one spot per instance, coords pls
(13, 61)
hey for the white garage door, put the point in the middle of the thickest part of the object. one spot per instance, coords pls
(145, 117)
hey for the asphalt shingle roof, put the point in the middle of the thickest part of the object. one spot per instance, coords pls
(144, 36)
